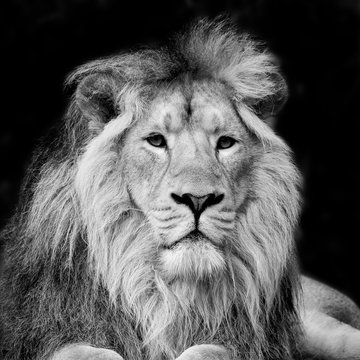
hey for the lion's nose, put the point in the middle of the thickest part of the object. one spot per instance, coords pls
(198, 204)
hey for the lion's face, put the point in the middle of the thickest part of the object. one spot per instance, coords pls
(187, 167)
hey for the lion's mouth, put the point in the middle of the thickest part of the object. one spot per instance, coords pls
(192, 237)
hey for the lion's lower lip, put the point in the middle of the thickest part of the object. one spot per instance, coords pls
(192, 237)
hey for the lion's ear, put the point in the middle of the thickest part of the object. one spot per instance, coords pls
(96, 96)
(270, 105)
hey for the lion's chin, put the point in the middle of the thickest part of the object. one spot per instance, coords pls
(191, 260)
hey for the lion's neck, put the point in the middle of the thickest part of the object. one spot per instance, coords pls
(179, 314)
(173, 317)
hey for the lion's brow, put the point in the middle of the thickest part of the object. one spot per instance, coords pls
(167, 122)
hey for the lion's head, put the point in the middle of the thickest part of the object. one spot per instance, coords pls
(184, 197)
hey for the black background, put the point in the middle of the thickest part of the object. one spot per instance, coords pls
(317, 43)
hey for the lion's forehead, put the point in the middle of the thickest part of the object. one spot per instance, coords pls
(199, 105)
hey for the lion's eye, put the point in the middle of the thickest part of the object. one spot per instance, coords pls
(156, 140)
(225, 142)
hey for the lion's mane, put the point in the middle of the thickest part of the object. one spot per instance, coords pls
(81, 256)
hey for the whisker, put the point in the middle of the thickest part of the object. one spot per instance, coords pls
(167, 208)
(167, 219)
(135, 209)
(227, 210)
(221, 220)
(168, 227)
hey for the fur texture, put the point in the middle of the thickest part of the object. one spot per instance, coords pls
(82, 256)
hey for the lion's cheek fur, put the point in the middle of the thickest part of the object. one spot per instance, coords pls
(143, 174)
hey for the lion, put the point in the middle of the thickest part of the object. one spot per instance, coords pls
(157, 221)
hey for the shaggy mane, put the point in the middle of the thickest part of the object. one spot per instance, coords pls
(213, 50)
